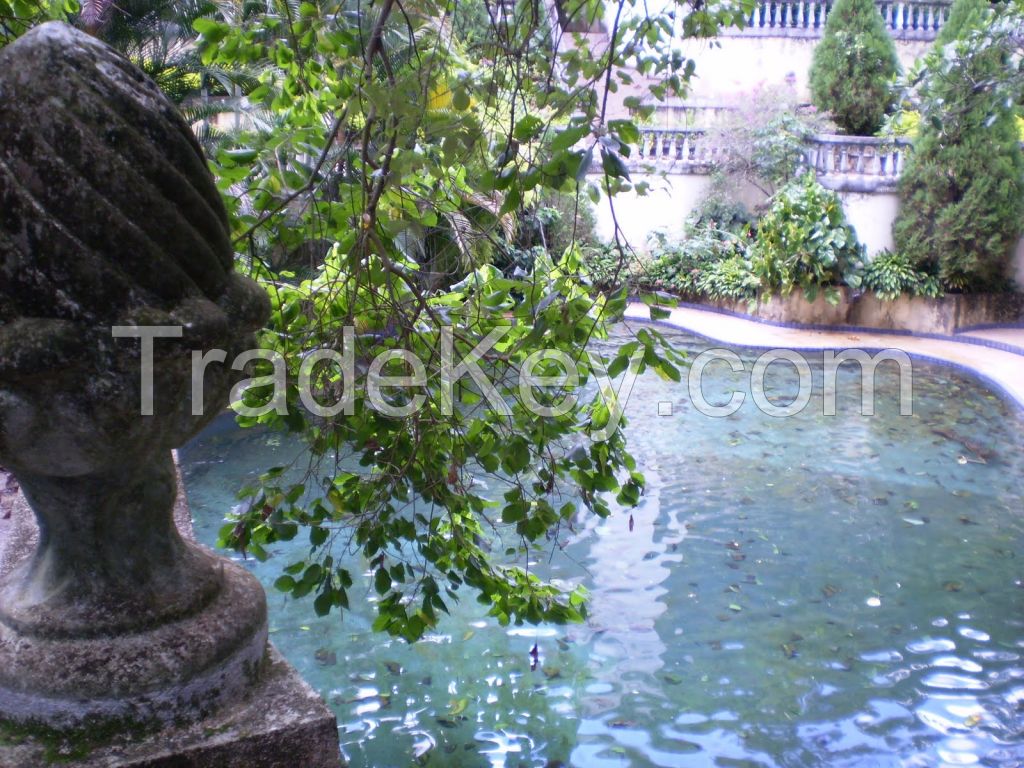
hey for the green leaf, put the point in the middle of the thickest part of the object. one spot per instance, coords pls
(568, 137)
(613, 164)
(382, 581)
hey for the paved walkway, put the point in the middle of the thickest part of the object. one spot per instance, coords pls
(1002, 368)
(1014, 336)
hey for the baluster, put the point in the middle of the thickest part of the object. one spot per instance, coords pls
(886, 10)
(798, 15)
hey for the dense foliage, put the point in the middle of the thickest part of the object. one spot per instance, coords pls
(410, 144)
(17, 16)
(853, 67)
(804, 241)
(962, 192)
(891, 275)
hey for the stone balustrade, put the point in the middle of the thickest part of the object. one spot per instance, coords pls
(679, 150)
(853, 163)
(857, 163)
(905, 19)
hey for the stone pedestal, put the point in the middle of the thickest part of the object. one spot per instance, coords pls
(278, 722)
(122, 642)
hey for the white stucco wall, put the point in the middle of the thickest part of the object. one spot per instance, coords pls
(871, 216)
(665, 207)
(738, 64)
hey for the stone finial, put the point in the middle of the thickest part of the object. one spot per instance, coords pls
(109, 217)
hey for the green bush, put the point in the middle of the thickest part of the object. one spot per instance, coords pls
(678, 267)
(962, 191)
(604, 266)
(720, 211)
(853, 67)
(890, 275)
(556, 221)
(731, 278)
(804, 241)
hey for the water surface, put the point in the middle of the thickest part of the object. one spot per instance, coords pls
(810, 591)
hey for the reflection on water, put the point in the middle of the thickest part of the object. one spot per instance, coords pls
(812, 591)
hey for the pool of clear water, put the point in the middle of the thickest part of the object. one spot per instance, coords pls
(810, 591)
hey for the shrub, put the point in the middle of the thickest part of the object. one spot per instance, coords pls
(718, 210)
(853, 67)
(556, 221)
(731, 278)
(962, 191)
(890, 275)
(604, 266)
(678, 267)
(762, 142)
(804, 241)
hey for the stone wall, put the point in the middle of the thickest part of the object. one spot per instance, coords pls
(946, 315)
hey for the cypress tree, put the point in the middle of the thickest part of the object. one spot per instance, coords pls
(853, 67)
(964, 15)
(962, 191)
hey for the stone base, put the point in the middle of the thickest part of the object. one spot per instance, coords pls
(281, 723)
(278, 723)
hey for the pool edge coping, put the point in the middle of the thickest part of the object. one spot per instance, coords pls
(1016, 401)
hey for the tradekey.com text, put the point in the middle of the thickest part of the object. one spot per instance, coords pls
(544, 394)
